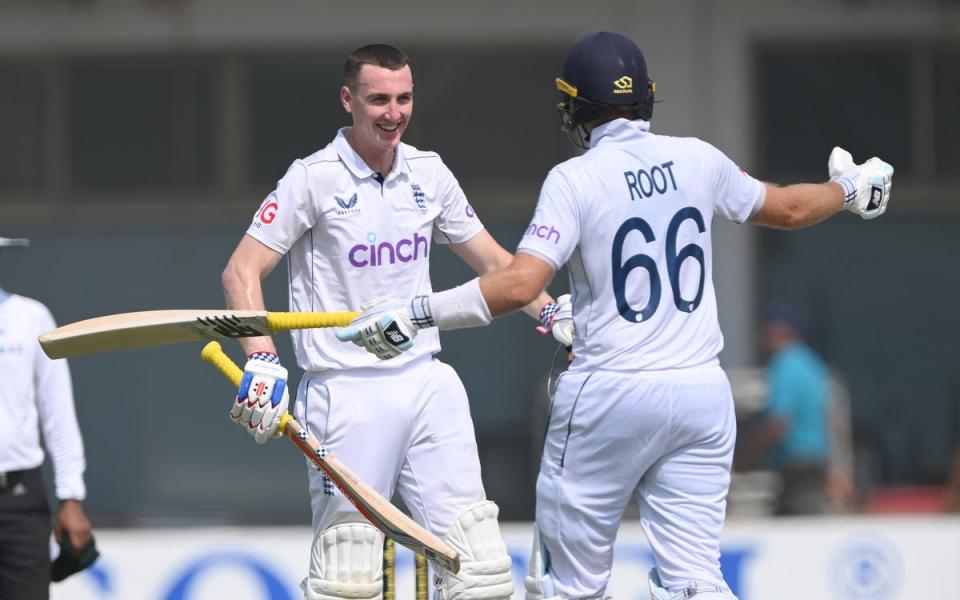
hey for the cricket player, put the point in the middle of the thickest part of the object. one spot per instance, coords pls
(357, 220)
(645, 411)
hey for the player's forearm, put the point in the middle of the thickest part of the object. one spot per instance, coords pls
(531, 308)
(799, 205)
(504, 260)
(511, 289)
(485, 255)
(242, 290)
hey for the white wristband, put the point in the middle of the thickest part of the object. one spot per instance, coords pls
(456, 308)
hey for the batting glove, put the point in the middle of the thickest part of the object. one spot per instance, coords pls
(557, 318)
(866, 186)
(383, 328)
(263, 397)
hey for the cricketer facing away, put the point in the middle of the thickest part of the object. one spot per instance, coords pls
(645, 410)
(356, 221)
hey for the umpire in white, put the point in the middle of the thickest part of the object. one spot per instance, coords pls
(35, 396)
(645, 412)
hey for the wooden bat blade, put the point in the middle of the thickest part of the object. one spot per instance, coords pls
(159, 327)
(378, 510)
(151, 328)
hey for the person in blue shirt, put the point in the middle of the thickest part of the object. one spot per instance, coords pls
(794, 438)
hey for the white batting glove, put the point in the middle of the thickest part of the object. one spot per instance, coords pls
(557, 318)
(866, 186)
(263, 397)
(383, 328)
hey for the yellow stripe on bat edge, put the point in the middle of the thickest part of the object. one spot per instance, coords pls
(283, 321)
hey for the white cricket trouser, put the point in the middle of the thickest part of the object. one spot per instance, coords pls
(665, 438)
(406, 429)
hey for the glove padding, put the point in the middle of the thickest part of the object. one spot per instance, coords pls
(867, 186)
(262, 398)
(383, 328)
(557, 318)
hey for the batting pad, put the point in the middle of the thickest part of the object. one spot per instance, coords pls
(484, 562)
(346, 562)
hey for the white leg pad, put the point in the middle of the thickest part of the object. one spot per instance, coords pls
(537, 583)
(346, 562)
(484, 562)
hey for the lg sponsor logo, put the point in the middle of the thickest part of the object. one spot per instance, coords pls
(374, 254)
(268, 211)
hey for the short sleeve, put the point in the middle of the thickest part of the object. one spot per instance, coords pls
(737, 194)
(457, 221)
(554, 232)
(286, 213)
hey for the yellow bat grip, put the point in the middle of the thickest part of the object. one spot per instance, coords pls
(282, 321)
(214, 354)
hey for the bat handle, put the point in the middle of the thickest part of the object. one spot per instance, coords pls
(213, 353)
(283, 321)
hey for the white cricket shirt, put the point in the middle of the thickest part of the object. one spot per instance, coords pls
(36, 395)
(351, 235)
(633, 218)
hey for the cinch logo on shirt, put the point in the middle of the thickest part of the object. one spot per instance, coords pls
(11, 349)
(373, 254)
(543, 233)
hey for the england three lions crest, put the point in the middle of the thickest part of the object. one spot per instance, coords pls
(419, 197)
(347, 206)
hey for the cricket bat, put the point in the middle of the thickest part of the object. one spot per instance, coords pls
(378, 510)
(161, 327)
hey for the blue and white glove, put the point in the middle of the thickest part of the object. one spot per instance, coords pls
(383, 328)
(557, 318)
(867, 186)
(262, 398)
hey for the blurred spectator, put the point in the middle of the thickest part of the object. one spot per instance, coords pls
(36, 396)
(799, 420)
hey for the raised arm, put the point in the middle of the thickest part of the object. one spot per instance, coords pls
(800, 205)
(484, 255)
(862, 189)
(513, 287)
(388, 329)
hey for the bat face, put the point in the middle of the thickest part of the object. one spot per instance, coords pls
(151, 328)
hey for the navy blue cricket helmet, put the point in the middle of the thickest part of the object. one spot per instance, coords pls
(604, 71)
